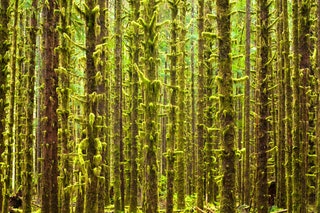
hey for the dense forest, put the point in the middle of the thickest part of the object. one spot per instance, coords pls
(159, 106)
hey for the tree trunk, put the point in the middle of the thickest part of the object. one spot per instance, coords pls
(135, 54)
(181, 145)
(201, 106)
(262, 107)
(226, 110)
(27, 186)
(173, 123)
(152, 89)
(4, 48)
(92, 141)
(288, 104)
(50, 118)
(247, 107)
(117, 131)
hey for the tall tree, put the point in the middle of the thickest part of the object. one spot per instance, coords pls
(135, 59)
(4, 60)
(181, 146)
(201, 106)
(28, 158)
(50, 118)
(302, 65)
(280, 140)
(152, 89)
(65, 67)
(92, 141)
(103, 108)
(262, 106)
(318, 109)
(226, 111)
(247, 105)
(288, 103)
(173, 104)
(117, 128)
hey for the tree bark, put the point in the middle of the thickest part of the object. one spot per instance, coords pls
(226, 110)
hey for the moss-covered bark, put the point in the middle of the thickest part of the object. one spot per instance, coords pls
(288, 104)
(11, 110)
(226, 110)
(50, 105)
(27, 185)
(182, 115)
(247, 106)
(135, 59)
(301, 60)
(318, 109)
(65, 67)
(117, 128)
(280, 139)
(92, 143)
(296, 160)
(102, 90)
(173, 112)
(262, 106)
(305, 71)
(152, 89)
(201, 106)
(192, 143)
(4, 60)
(210, 87)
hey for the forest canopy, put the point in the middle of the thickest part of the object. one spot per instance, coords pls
(159, 106)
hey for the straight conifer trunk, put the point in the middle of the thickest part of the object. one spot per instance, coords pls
(65, 64)
(135, 7)
(50, 106)
(28, 158)
(152, 89)
(262, 107)
(288, 104)
(4, 48)
(226, 110)
(201, 106)
(247, 106)
(117, 128)
(91, 113)
(173, 123)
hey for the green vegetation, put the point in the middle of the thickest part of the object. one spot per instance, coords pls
(159, 106)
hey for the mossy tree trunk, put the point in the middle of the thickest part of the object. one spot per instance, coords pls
(296, 158)
(65, 67)
(280, 138)
(49, 113)
(152, 89)
(226, 110)
(301, 57)
(181, 145)
(173, 111)
(102, 90)
(305, 71)
(318, 110)
(117, 128)
(210, 136)
(247, 107)
(4, 60)
(288, 104)
(262, 106)
(12, 101)
(92, 141)
(192, 144)
(27, 185)
(135, 59)
(201, 106)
